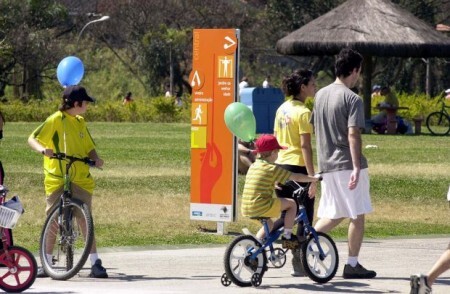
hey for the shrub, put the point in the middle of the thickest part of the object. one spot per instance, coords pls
(419, 105)
(159, 109)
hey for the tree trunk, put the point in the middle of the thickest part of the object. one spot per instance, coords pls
(367, 86)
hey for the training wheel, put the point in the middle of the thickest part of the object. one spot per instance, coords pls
(256, 280)
(225, 280)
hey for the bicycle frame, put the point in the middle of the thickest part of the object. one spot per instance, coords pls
(6, 234)
(272, 237)
(444, 109)
(67, 193)
(67, 235)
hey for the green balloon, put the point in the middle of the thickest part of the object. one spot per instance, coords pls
(240, 121)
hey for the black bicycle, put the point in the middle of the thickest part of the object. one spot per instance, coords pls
(438, 122)
(68, 232)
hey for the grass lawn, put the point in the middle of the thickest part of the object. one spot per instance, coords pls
(142, 194)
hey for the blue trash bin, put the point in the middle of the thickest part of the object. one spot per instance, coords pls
(264, 103)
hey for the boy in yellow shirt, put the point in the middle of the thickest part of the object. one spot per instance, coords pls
(65, 131)
(258, 198)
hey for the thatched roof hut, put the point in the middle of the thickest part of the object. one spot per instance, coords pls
(372, 27)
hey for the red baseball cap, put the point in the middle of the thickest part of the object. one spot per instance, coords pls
(267, 143)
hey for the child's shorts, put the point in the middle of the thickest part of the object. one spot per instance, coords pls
(275, 209)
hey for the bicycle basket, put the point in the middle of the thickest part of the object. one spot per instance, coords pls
(10, 212)
(8, 217)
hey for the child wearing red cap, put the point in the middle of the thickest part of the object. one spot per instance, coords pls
(258, 198)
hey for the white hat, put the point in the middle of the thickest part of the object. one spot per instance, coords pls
(447, 91)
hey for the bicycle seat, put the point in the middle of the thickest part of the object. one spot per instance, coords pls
(260, 218)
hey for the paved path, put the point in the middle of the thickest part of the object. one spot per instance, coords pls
(198, 270)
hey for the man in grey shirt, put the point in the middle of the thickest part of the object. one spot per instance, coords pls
(338, 117)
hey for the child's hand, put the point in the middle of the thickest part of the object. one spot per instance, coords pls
(277, 186)
(47, 152)
(98, 162)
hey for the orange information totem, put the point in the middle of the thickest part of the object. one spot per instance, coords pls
(214, 81)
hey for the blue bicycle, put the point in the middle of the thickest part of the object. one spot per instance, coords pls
(247, 259)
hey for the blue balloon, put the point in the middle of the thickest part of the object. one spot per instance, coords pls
(70, 71)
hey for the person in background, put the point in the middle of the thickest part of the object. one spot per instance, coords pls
(168, 94)
(294, 130)
(338, 117)
(379, 121)
(390, 98)
(128, 99)
(245, 156)
(266, 83)
(243, 84)
(376, 91)
(178, 101)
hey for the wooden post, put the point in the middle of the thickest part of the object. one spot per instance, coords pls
(222, 228)
(367, 86)
(417, 125)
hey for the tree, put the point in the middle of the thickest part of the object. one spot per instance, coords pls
(28, 49)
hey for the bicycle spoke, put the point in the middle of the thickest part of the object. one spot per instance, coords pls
(68, 241)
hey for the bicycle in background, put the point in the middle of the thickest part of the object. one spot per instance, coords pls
(438, 122)
(68, 232)
(246, 259)
(18, 267)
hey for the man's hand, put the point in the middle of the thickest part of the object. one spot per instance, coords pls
(354, 178)
(312, 190)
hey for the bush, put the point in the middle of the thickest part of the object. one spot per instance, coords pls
(159, 109)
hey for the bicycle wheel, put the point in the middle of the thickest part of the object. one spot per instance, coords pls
(438, 123)
(66, 240)
(18, 270)
(238, 266)
(318, 269)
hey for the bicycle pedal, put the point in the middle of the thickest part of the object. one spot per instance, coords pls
(290, 245)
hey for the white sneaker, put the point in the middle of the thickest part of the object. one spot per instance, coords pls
(295, 273)
(419, 284)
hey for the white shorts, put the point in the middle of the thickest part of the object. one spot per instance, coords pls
(338, 201)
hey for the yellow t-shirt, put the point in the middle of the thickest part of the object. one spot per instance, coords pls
(291, 121)
(68, 134)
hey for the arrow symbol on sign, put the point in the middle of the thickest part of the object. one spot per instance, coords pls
(195, 77)
(230, 44)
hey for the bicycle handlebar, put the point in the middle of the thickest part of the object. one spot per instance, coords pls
(62, 156)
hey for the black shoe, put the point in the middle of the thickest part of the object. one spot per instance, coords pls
(41, 273)
(358, 272)
(98, 271)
